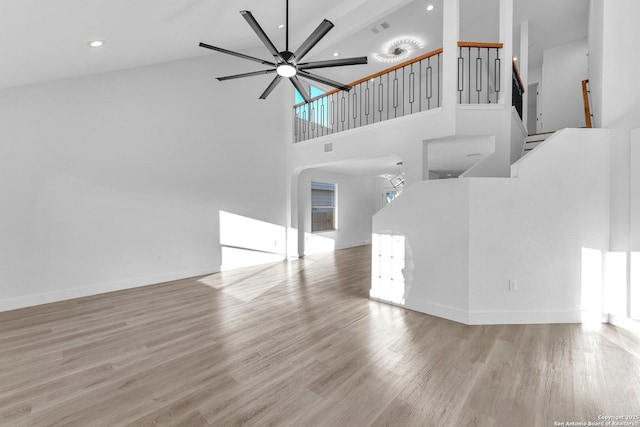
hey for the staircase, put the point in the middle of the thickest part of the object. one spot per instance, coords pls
(534, 140)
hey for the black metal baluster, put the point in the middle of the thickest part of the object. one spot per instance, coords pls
(361, 102)
(355, 106)
(412, 87)
(323, 116)
(304, 124)
(439, 80)
(428, 85)
(295, 124)
(488, 73)
(366, 103)
(395, 94)
(403, 97)
(334, 115)
(312, 122)
(460, 74)
(373, 100)
(388, 96)
(343, 110)
(380, 98)
(469, 76)
(497, 82)
(420, 86)
(478, 75)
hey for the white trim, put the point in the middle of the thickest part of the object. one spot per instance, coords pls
(491, 317)
(523, 317)
(100, 288)
(353, 244)
(446, 312)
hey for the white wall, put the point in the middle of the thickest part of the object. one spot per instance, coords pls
(479, 21)
(117, 180)
(620, 106)
(596, 60)
(563, 69)
(494, 119)
(634, 202)
(466, 238)
(357, 198)
(532, 229)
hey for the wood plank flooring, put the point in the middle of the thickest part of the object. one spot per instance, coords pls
(299, 343)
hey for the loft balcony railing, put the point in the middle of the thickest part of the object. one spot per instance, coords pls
(410, 87)
(406, 88)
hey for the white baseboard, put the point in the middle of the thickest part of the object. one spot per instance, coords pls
(523, 317)
(438, 310)
(625, 323)
(7, 304)
(353, 244)
(490, 317)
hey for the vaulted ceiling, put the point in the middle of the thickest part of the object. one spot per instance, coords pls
(43, 40)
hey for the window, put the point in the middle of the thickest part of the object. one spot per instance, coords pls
(319, 109)
(323, 207)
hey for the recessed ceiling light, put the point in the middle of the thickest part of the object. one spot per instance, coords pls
(335, 54)
(515, 59)
(96, 43)
(281, 26)
(430, 7)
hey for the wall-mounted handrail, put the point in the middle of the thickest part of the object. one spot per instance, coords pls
(516, 72)
(378, 74)
(587, 106)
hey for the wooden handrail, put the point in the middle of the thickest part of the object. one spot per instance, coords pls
(515, 70)
(587, 108)
(409, 62)
(480, 44)
(378, 74)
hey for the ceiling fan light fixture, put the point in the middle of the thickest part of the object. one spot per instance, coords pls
(286, 70)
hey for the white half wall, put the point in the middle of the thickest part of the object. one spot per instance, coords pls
(467, 238)
(117, 180)
(533, 228)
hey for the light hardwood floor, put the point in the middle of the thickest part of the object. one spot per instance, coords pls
(299, 344)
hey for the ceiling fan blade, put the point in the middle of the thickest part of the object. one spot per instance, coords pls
(298, 85)
(333, 63)
(271, 86)
(239, 55)
(261, 34)
(254, 73)
(324, 80)
(312, 40)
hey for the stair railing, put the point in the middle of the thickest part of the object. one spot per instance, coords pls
(517, 89)
(586, 98)
(403, 89)
(479, 80)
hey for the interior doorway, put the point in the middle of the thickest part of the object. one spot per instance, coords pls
(532, 107)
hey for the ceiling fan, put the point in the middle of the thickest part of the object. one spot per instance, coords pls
(286, 63)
